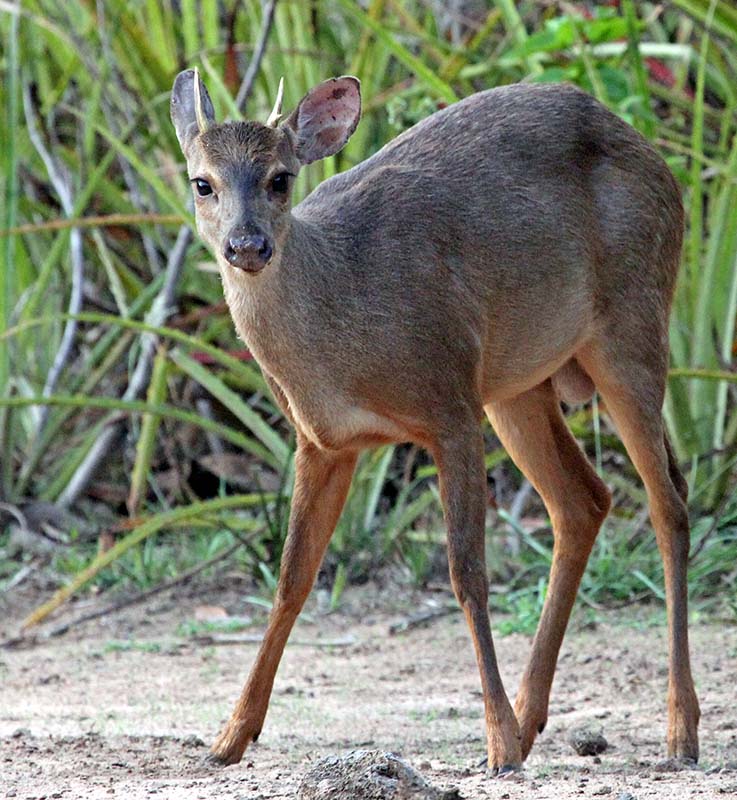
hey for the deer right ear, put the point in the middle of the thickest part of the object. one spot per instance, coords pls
(325, 118)
(191, 108)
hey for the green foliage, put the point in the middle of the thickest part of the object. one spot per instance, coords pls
(84, 98)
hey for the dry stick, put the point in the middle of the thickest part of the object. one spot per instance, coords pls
(246, 86)
(160, 310)
(61, 182)
(204, 409)
(141, 596)
(718, 512)
(20, 576)
(514, 538)
(419, 618)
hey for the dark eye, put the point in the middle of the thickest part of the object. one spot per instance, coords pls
(280, 183)
(203, 187)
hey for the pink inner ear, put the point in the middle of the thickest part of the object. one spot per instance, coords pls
(330, 138)
(328, 115)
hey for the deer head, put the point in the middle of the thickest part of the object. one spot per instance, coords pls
(242, 173)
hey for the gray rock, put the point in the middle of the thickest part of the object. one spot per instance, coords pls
(368, 775)
(587, 741)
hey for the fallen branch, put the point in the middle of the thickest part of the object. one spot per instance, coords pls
(145, 595)
(159, 312)
(20, 576)
(421, 618)
(62, 183)
(154, 524)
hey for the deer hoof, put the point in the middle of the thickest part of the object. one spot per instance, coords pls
(683, 736)
(212, 760)
(219, 757)
(685, 751)
(229, 747)
(506, 771)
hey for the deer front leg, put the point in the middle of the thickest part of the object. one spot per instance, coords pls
(321, 484)
(460, 461)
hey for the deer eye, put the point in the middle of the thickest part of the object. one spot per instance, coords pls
(203, 187)
(280, 183)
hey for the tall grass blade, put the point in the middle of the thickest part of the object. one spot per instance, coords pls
(402, 54)
(279, 451)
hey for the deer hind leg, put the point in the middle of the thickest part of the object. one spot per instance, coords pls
(460, 460)
(534, 433)
(632, 387)
(321, 484)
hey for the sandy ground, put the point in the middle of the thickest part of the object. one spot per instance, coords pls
(123, 707)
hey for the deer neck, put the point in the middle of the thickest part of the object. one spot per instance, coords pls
(274, 308)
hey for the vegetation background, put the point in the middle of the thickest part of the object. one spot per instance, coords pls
(137, 439)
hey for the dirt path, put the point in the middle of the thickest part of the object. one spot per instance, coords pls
(121, 708)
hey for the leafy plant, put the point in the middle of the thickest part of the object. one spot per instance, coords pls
(136, 406)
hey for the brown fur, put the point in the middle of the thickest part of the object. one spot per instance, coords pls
(518, 246)
(235, 142)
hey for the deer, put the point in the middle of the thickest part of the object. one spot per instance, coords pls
(514, 250)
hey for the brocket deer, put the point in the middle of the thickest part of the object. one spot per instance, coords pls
(516, 248)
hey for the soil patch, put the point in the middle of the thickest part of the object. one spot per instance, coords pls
(123, 707)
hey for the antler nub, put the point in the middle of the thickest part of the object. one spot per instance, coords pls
(275, 115)
(203, 123)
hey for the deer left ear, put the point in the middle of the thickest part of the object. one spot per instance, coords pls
(191, 108)
(325, 118)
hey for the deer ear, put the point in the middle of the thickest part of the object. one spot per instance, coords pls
(191, 108)
(325, 118)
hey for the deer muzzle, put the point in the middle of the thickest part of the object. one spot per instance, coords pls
(250, 253)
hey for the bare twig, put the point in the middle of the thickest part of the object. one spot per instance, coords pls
(145, 595)
(620, 604)
(161, 309)
(204, 409)
(711, 530)
(421, 618)
(20, 576)
(14, 511)
(519, 504)
(246, 87)
(61, 182)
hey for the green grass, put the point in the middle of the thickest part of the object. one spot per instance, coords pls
(98, 77)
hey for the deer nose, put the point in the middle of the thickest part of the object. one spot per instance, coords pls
(248, 252)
